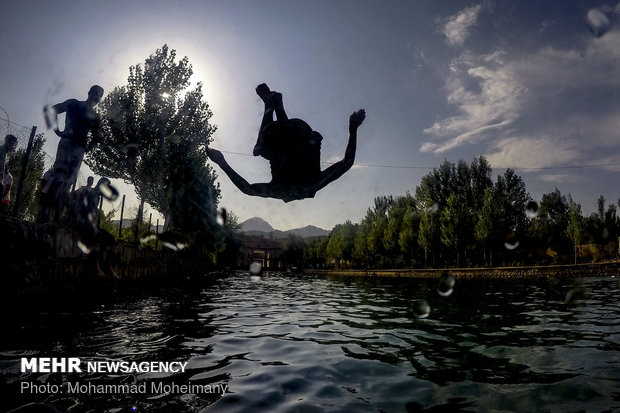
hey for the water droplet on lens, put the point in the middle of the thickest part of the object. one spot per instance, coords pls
(445, 285)
(432, 208)
(108, 191)
(177, 246)
(221, 217)
(531, 210)
(512, 241)
(174, 139)
(421, 308)
(573, 295)
(605, 233)
(83, 247)
(255, 278)
(147, 239)
(551, 253)
(597, 22)
(256, 267)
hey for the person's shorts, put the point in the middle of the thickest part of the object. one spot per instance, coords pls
(68, 161)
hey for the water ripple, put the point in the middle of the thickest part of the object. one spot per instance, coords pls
(288, 343)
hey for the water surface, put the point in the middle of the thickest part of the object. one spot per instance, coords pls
(302, 343)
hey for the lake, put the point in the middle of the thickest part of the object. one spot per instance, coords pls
(304, 343)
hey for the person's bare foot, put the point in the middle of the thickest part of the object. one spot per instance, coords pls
(276, 100)
(264, 92)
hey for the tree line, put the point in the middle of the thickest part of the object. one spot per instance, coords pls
(459, 217)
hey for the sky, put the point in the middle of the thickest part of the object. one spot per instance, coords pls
(532, 86)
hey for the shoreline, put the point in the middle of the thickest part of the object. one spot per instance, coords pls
(607, 269)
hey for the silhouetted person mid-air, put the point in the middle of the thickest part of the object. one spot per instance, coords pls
(293, 150)
(80, 119)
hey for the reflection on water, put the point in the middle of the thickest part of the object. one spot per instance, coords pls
(310, 344)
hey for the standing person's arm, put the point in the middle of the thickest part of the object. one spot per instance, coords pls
(55, 110)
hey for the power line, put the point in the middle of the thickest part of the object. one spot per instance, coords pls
(599, 165)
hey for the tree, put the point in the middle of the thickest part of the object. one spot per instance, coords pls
(341, 242)
(574, 228)
(395, 227)
(154, 135)
(360, 245)
(551, 222)
(480, 181)
(452, 223)
(314, 253)
(427, 234)
(293, 251)
(27, 209)
(483, 229)
(409, 230)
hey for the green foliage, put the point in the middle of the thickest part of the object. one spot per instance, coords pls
(397, 228)
(341, 242)
(550, 224)
(293, 252)
(458, 211)
(483, 229)
(229, 238)
(154, 135)
(453, 221)
(428, 234)
(27, 209)
(315, 254)
(574, 228)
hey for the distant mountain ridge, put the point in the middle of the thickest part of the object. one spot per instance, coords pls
(258, 226)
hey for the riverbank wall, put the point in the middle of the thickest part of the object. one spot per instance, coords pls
(578, 270)
(47, 257)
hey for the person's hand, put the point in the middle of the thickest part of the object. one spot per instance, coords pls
(215, 155)
(357, 118)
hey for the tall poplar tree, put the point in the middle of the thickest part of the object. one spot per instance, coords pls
(154, 135)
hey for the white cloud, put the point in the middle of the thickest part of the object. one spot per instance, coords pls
(550, 107)
(491, 108)
(559, 178)
(527, 152)
(456, 28)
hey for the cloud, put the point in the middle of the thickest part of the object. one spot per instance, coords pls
(456, 28)
(559, 178)
(548, 107)
(527, 152)
(491, 106)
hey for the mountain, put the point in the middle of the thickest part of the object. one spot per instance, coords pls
(308, 231)
(258, 226)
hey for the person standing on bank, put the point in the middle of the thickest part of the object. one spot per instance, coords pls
(10, 143)
(7, 183)
(80, 119)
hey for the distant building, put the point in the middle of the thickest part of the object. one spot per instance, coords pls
(265, 250)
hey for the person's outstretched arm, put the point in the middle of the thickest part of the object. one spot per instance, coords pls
(339, 168)
(262, 190)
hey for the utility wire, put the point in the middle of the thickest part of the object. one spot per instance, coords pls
(434, 167)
